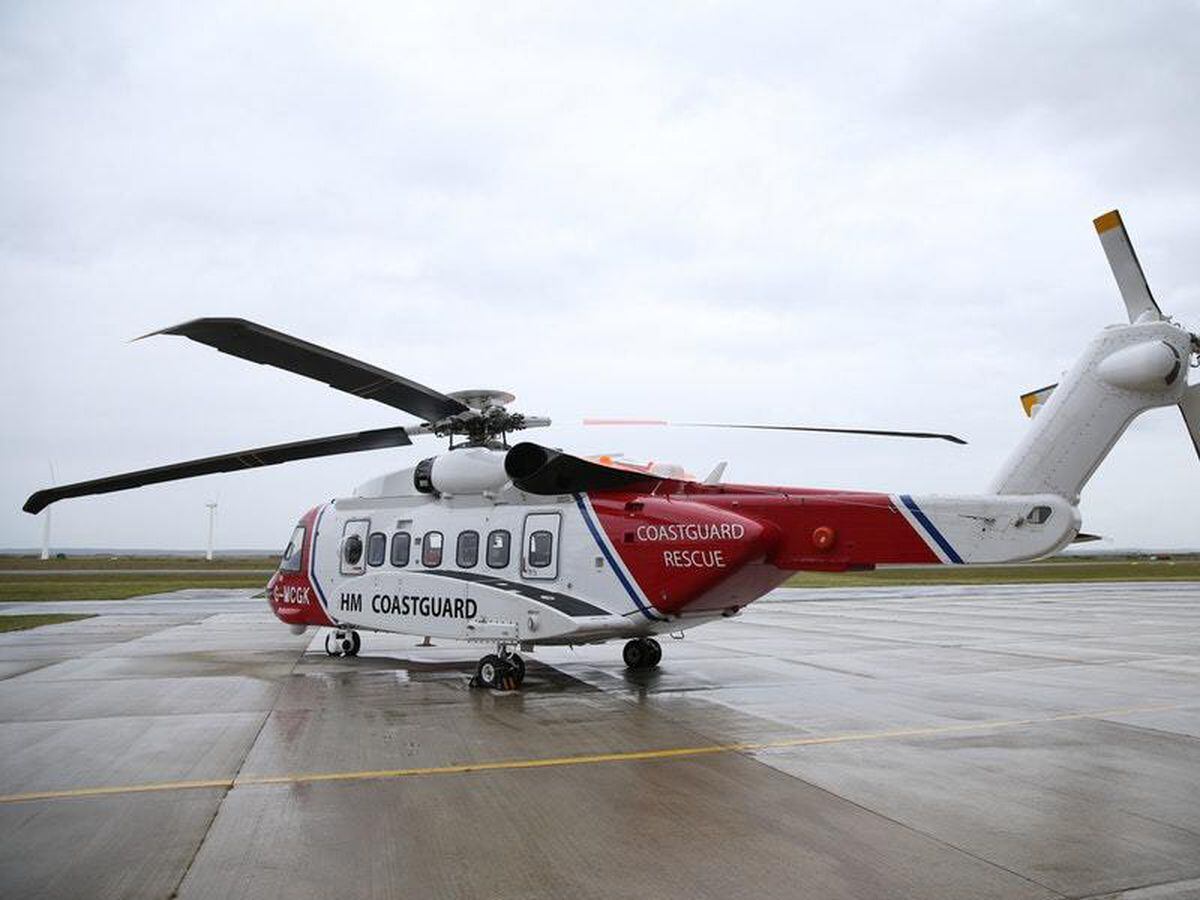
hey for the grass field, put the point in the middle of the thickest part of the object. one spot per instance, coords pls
(20, 623)
(120, 577)
(73, 563)
(117, 586)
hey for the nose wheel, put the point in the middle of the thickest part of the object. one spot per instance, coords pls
(501, 671)
(642, 653)
(343, 642)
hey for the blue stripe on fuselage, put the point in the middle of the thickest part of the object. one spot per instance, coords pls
(929, 526)
(629, 589)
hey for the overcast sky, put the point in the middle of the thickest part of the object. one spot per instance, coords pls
(856, 214)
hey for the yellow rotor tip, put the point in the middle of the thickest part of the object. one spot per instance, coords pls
(1107, 221)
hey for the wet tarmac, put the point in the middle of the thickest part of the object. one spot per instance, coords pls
(1012, 741)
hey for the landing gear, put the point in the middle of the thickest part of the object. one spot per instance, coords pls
(343, 642)
(642, 653)
(503, 671)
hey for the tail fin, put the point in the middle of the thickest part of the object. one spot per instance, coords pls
(1126, 370)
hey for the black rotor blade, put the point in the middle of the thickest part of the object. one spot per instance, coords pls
(228, 462)
(259, 344)
(872, 431)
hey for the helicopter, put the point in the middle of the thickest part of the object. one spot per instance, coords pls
(516, 545)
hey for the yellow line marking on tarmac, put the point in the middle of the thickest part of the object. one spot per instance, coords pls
(586, 759)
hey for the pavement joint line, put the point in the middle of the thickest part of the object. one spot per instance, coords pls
(584, 759)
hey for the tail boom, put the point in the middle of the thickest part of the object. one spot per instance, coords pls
(840, 531)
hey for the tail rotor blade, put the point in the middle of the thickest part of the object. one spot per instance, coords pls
(1190, 407)
(1125, 266)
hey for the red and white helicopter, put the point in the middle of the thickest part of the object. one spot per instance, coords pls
(515, 546)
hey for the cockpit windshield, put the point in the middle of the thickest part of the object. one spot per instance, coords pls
(291, 553)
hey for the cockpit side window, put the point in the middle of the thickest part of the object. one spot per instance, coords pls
(293, 552)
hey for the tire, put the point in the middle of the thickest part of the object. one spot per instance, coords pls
(331, 647)
(655, 649)
(634, 654)
(490, 671)
(355, 643)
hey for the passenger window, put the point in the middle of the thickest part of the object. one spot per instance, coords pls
(352, 550)
(431, 549)
(401, 547)
(467, 554)
(541, 549)
(498, 546)
(291, 554)
(376, 548)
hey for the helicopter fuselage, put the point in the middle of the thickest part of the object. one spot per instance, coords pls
(503, 566)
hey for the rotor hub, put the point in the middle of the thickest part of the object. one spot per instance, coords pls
(482, 398)
(485, 422)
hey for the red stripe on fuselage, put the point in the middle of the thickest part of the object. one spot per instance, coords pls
(677, 550)
(683, 543)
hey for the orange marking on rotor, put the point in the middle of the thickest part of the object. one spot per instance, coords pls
(1107, 222)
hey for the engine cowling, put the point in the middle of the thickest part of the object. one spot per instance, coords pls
(467, 471)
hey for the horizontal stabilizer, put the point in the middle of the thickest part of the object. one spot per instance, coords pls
(1035, 400)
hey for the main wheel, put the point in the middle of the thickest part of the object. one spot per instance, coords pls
(655, 649)
(490, 671)
(332, 645)
(518, 667)
(635, 654)
(355, 644)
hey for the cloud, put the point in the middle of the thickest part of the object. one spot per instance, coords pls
(859, 215)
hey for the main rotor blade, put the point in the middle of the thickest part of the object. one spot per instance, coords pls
(259, 344)
(869, 431)
(228, 462)
(1131, 281)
